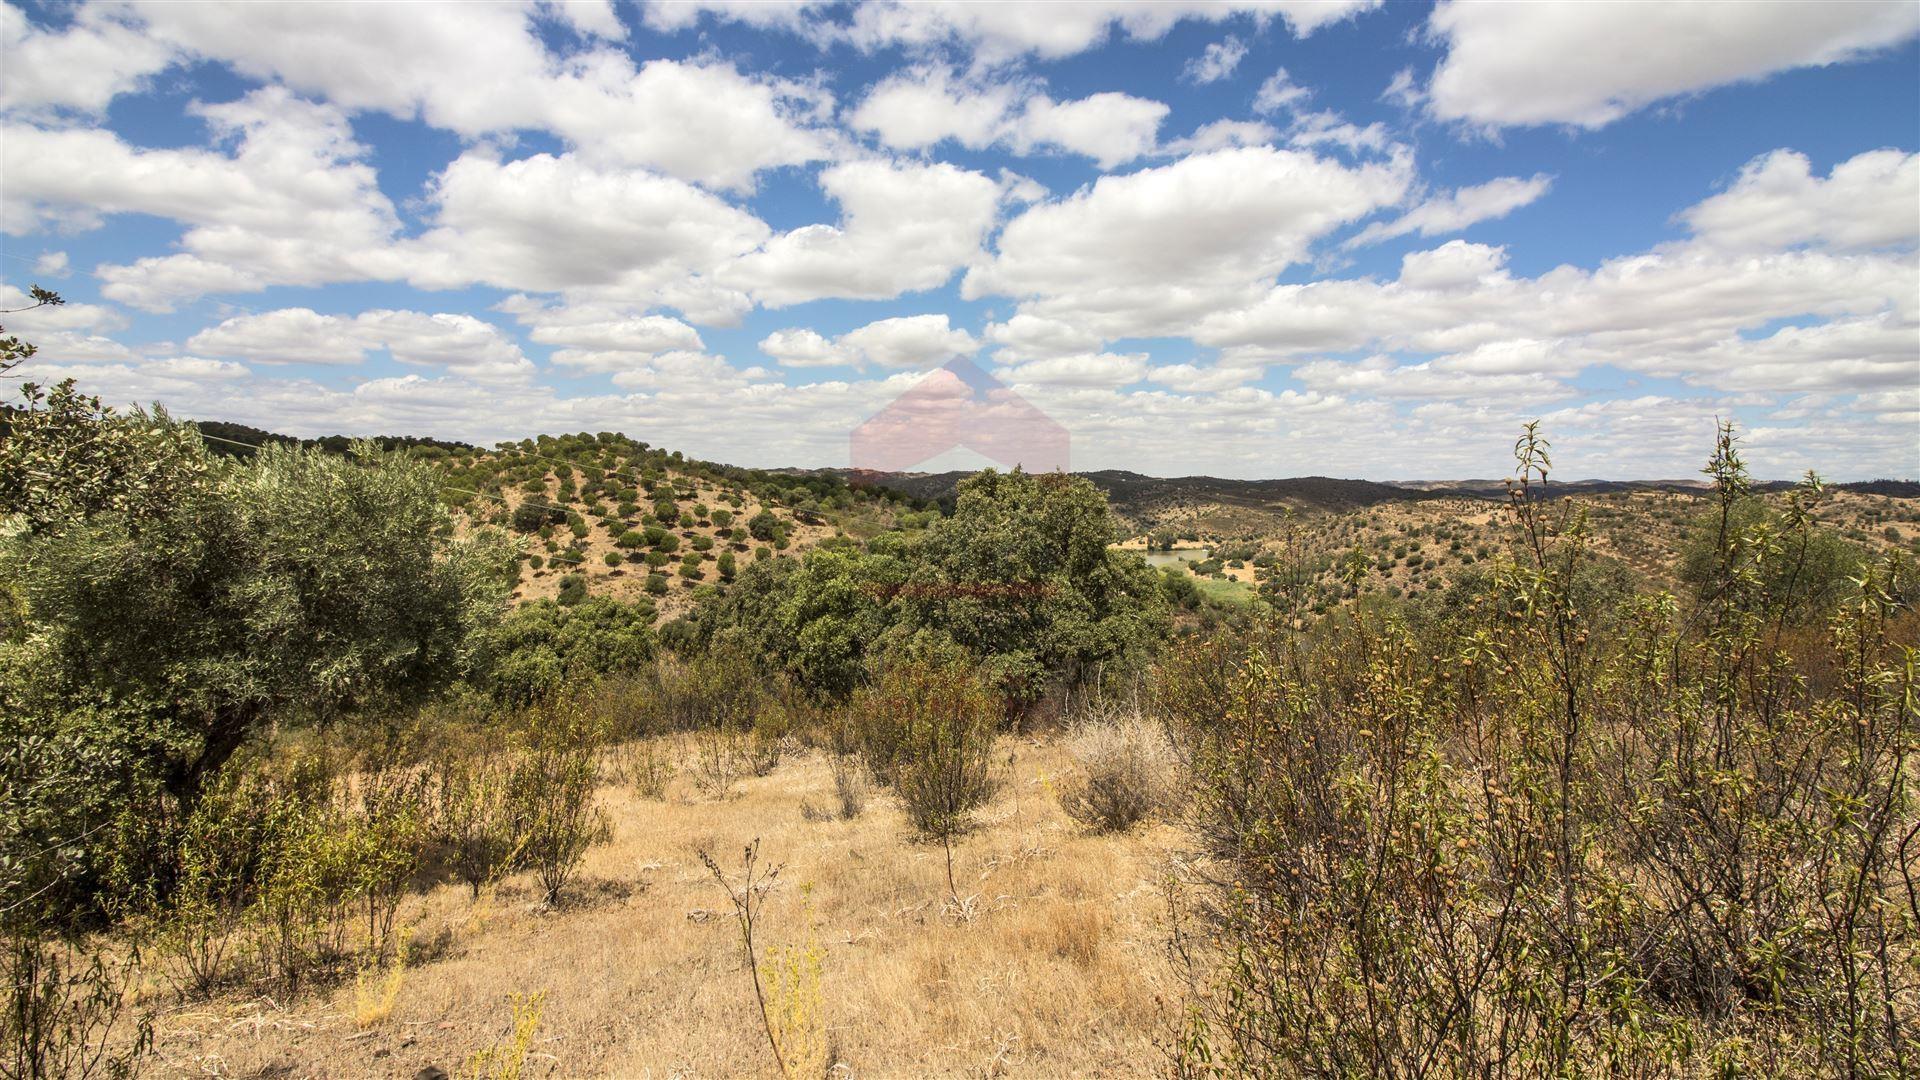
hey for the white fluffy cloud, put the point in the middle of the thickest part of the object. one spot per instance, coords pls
(82, 66)
(600, 327)
(928, 104)
(1869, 201)
(1589, 64)
(1111, 128)
(1456, 210)
(913, 341)
(997, 32)
(1150, 251)
(551, 223)
(295, 203)
(1684, 311)
(804, 348)
(483, 69)
(921, 106)
(706, 123)
(1197, 379)
(904, 228)
(1030, 337)
(1217, 62)
(1278, 92)
(24, 318)
(458, 343)
(1084, 369)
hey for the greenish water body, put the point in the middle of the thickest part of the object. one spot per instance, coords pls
(1176, 556)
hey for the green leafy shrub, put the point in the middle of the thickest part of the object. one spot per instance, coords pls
(543, 646)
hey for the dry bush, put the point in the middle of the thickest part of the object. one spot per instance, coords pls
(376, 989)
(926, 729)
(850, 789)
(475, 819)
(748, 898)
(507, 1060)
(61, 999)
(1126, 771)
(850, 785)
(720, 760)
(553, 790)
(643, 767)
(1540, 835)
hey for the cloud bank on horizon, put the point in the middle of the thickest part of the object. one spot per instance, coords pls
(1244, 238)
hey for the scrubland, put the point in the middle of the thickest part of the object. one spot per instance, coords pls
(1058, 966)
(289, 786)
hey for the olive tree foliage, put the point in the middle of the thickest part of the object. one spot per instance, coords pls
(65, 458)
(1020, 576)
(539, 648)
(161, 604)
(1023, 574)
(814, 619)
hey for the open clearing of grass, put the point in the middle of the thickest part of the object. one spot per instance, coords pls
(1227, 589)
(1060, 972)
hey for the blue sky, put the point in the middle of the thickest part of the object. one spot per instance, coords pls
(1252, 240)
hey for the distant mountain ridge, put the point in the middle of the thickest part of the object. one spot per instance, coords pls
(1137, 494)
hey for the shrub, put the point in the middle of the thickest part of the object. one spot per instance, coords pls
(926, 729)
(553, 794)
(1544, 836)
(542, 646)
(476, 822)
(850, 784)
(532, 516)
(1126, 771)
(642, 766)
(62, 1000)
(507, 1060)
(657, 584)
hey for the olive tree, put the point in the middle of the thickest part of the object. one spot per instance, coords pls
(205, 596)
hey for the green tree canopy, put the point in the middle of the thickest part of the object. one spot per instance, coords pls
(205, 596)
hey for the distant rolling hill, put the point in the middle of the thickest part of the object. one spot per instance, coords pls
(1142, 498)
(1151, 501)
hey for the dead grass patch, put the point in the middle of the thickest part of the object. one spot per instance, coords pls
(1057, 974)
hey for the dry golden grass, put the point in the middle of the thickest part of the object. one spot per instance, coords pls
(1058, 972)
